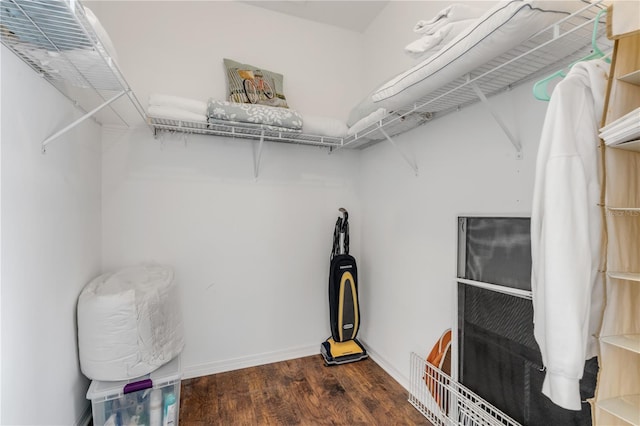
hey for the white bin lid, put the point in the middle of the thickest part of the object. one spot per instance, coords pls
(168, 374)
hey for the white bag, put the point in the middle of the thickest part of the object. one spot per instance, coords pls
(129, 323)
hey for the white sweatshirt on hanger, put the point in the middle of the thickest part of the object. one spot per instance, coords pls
(566, 232)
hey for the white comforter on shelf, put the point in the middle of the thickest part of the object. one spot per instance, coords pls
(192, 105)
(177, 108)
(367, 121)
(324, 126)
(174, 113)
(500, 29)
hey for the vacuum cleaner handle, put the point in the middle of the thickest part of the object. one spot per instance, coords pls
(341, 234)
(335, 250)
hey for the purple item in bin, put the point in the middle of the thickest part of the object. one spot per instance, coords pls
(138, 386)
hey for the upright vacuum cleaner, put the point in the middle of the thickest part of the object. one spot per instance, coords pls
(343, 347)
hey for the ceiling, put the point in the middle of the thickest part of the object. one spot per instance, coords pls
(353, 15)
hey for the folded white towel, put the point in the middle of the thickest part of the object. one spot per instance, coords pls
(173, 113)
(191, 105)
(367, 121)
(324, 126)
(628, 120)
(431, 43)
(453, 13)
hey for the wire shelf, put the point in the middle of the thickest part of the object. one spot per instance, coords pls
(549, 50)
(237, 131)
(56, 39)
(445, 402)
(544, 53)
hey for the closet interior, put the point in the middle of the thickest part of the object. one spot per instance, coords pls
(141, 201)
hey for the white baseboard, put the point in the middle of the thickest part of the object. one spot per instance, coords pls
(85, 418)
(386, 366)
(208, 368)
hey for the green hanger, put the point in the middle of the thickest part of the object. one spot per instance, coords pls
(540, 89)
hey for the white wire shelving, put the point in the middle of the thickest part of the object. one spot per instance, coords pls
(160, 125)
(57, 40)
(445, 402)
(548, 51)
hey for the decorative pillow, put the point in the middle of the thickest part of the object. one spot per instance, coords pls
(249, 84)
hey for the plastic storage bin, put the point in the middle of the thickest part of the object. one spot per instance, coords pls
(152, 400)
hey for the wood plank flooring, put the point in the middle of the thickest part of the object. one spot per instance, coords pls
(298, 392)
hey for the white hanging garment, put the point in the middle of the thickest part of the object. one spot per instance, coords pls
(566, 232)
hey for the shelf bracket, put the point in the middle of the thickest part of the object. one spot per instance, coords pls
(514, 141)
(79, 120)
(256, 159)
(411, 163)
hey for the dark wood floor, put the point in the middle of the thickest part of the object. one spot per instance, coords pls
(298, 392)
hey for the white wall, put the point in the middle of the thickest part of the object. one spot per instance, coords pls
(50, 248)
(467, 166)
(409, 230)
(251, 257)
(177, 47)
(198, 208)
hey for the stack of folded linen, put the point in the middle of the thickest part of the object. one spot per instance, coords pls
(177, 108)
(253, 115)
(393, 122)
(324, 126)
(441, 29)
(625, 129)
(362, 124)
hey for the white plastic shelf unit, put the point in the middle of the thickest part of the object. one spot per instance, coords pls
(58, 41)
